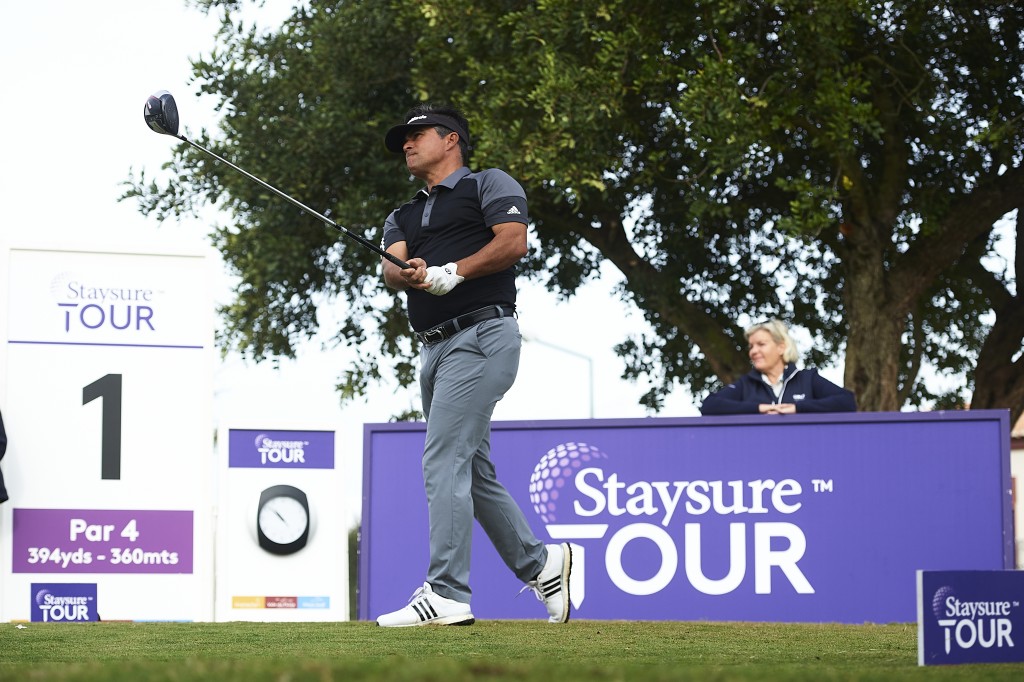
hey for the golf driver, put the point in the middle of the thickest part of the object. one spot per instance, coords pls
(162, 116)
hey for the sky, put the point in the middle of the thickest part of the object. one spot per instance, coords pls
(75, 78)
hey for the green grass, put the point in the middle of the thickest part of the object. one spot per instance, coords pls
(496, 650)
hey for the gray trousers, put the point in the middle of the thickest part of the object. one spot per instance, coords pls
(461, 380)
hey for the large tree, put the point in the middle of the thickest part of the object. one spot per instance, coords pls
(840, 164)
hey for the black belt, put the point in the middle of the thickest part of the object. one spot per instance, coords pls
(448, 329)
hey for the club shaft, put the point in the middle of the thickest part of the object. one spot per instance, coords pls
(359, 238)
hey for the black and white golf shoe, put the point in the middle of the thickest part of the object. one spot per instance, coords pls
(428, 608)
(552, 585)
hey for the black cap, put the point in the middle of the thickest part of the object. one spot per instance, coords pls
(395, 138)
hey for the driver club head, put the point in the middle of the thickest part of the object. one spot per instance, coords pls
(162, 113)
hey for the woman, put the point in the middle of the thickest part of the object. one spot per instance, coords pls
(775, 385)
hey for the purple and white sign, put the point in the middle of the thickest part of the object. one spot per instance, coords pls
(805, 518)
(64, 603)
(281, 449)
(102, 541)
(107, 299)
(970, 617)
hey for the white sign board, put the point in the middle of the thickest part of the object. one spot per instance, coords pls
(107, 365)
(282, 545)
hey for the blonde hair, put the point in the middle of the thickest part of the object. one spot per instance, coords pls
(780, 334)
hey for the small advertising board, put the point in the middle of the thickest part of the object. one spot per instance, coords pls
(282, 548)
(970, 617)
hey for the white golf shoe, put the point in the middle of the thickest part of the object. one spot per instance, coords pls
(428, 608)
(552, 584)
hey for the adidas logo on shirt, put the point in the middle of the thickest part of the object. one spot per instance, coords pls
(513, 211)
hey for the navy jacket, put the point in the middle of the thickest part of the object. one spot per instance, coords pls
(3, 449)
(805, 388)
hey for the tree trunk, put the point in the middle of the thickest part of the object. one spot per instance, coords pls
(999, 374)
(875, 331)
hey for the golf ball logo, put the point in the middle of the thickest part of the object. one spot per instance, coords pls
(42, 596)
(59, 286)
(558, 466)
(939, 600)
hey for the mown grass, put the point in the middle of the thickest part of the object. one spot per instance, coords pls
(495, 650)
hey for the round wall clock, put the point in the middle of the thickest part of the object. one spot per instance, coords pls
(282, 519)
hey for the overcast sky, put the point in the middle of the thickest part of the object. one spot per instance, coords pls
(75, 78)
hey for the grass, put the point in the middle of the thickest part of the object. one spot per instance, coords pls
(495, 650)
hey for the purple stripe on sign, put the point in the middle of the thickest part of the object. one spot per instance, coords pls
(67, 541)
(249, 448)
(109, 345)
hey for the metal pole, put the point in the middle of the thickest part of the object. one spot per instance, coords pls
(590, 364)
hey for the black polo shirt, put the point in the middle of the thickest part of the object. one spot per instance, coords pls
(451, 222)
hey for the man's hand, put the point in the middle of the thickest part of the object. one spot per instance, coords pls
(442, 278)
(408, 278)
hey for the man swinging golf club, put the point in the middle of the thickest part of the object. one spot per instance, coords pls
(462, 235)
(475, 224)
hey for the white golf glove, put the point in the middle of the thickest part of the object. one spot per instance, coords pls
(443, 278)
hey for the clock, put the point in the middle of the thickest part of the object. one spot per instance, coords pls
(282, 519)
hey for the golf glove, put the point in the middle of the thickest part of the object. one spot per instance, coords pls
(443, 278)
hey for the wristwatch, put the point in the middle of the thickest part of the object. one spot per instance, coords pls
(282, 519)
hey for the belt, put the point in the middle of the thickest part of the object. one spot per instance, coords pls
(448, 329)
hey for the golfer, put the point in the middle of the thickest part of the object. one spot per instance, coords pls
(462, 235)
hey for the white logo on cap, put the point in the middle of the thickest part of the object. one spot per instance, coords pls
(414, 118)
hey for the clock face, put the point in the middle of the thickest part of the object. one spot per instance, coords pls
(283, 520)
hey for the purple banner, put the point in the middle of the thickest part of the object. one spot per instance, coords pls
(803, 518)
(68, 541)
(970, 617)
(64, 603)
(281, 449)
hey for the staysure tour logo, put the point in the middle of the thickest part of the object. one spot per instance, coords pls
(973, 624)
(89, 305)
(64, 602)
(577, 492)
(273, 451)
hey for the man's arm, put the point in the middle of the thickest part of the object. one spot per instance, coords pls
(502, 252)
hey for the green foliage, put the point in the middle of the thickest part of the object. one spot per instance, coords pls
(838, 164)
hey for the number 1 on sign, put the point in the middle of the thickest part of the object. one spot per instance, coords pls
(108, 388)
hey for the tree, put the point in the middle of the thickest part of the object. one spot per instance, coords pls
(838, 164)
